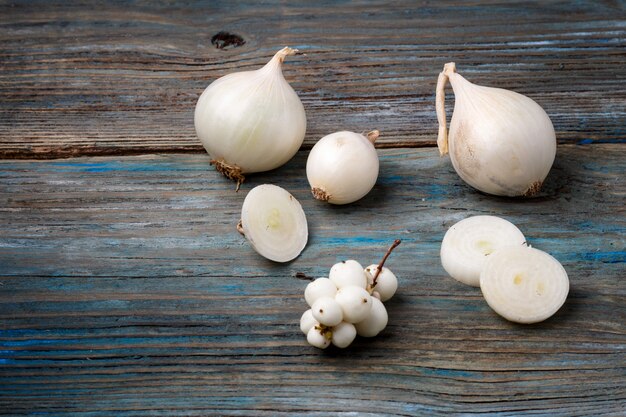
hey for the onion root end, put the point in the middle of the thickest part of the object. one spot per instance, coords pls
(320, 194)
(533, 189)
(232, 172)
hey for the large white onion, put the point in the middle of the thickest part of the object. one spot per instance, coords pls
(251, 121)
(500, 142)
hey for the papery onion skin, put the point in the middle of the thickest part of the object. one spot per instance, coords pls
(500, 142)
(251, 121)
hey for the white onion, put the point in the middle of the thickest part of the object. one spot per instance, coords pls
(500, 142)
(251, 121)
(343, 167)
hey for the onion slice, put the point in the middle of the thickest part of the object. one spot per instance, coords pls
(524, 284)
(273, 221)
(467, 244)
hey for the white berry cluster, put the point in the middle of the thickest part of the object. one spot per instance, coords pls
(347, 303)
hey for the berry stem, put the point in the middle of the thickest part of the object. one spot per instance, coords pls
(379, 268)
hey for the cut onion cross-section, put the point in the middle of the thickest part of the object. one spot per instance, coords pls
(468, 243)
(523, 284)
(273, 221)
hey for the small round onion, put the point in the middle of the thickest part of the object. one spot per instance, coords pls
(343, 167)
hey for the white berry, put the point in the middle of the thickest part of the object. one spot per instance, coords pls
(348, 273)
(321, 287)
(307, 321)
(317, 339)
(355, 303)
(386, 283)
(327, 311)
(375, 322)
(343, 334)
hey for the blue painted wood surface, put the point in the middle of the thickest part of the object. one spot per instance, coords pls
(126, 290)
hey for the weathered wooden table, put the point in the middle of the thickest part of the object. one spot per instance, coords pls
(125, 289)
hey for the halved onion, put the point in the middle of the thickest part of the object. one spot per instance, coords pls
(273, 221)
(468, 243)
(523, 284)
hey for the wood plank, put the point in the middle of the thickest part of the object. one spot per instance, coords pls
(125, 290)
(125, 79)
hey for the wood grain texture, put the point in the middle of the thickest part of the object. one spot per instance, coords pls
(122, 78)
(125, 290)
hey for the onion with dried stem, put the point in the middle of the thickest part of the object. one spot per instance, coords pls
(500, 142)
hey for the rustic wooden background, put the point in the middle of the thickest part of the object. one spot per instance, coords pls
(125, 289)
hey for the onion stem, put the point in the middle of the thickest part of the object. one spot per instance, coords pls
(279, 57)
(373, 135)
(442, 81)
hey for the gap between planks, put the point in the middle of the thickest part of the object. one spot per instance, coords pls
(87, 151)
